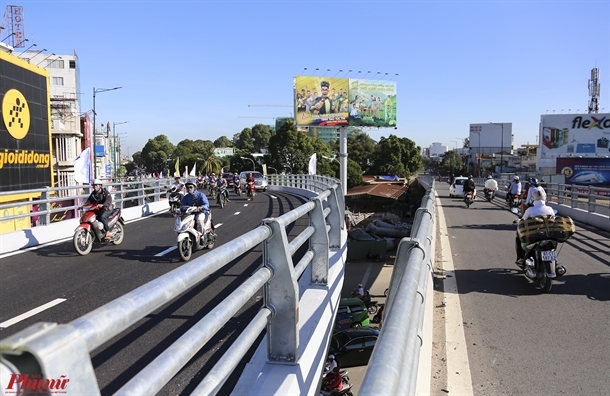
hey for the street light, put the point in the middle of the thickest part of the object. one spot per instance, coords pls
(98, 90)
(114, 160)
(253, 166)
(270, 167)
(329, 158)
(501, 146)
(477, 154)
(289, 167)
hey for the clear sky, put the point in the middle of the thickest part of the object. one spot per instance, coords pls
(189, 69)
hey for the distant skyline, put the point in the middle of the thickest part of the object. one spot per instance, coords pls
(205, 69)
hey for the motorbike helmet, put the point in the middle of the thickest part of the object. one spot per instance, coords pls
(97, 184)
(534, 181)
(331, 357)
(190, 187)
(516, 178)
(470, 176)
(489, 177)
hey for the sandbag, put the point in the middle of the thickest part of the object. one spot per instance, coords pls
(539, 228)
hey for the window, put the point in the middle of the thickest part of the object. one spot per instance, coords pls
(55, 64)
(58, 81)
(72, 64)
(356, 309)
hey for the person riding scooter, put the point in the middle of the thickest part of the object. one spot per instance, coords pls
(332, 381)
(198, 199)
(469, 186)
(539, 208)
(220, 182)
(491, 184)
(103, 200)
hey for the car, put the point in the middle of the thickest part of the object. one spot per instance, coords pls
(260, 181)
(457, 187)
(229, 177)
(352, 312)
(353, 347)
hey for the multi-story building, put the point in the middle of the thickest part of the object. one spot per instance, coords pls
(437, 150)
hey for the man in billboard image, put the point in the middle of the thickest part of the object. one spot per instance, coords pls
(323, 104)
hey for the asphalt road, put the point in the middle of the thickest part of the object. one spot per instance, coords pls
(520, 341)
(34, 278)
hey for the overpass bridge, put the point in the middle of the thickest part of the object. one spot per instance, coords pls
(299, 302)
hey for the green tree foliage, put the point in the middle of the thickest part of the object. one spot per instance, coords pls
(360, 147)
(452, 164)
(261, 135)
(244, 141)
(223, 141)
(293, 148)
(156, 152)
(396, 156)
(354, 174)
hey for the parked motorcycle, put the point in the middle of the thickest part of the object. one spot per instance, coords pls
(250, 190)
(189, 238)
(468, 198)
(490, 194)
(91, 230)
(175, 200)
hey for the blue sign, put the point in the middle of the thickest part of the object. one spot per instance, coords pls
(108, 171)
(100, 151)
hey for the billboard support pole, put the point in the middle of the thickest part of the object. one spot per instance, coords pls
(343, 158)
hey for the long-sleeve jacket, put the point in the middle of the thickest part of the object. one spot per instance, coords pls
(102, 197)
(197, 199)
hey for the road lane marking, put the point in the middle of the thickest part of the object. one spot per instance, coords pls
(459, 380)
(236, 213)
(273, 196)
(365, 277)
(30, 313)
(171, 249)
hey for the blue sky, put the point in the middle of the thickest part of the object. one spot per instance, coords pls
(189, 69)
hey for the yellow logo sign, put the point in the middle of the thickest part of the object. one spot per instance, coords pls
(16, 114)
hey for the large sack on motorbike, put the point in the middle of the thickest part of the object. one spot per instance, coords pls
(546, 227)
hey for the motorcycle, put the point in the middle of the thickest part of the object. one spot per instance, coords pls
(469, 198)
(221, 196)
(490, 194)
(91, 230)
(541, 264)
(250, 190)
(213, 191)
(379, 315)
(175, 200)
(188, 235)
(237, 187)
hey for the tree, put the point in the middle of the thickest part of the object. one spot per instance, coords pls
(223, 141)
(451, 164)
(293, 148)
(244, 141)
(359, 147)
(260, 136)
(396, 156)
(156, 153)
(354, 174)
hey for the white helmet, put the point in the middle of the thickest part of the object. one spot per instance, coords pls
(516, 178)
(97, 181)
(331, 357)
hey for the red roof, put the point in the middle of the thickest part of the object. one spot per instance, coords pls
(379, 190)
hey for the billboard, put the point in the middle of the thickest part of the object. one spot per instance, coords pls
(585, 171)
(573, 135)
(25, 130)
(329, 102)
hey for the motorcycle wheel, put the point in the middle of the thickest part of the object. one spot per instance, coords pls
(118, 232)
(185, 249)
(83, 242)
(545, 283)
(212, 238)
(221, 201)
(372, 309)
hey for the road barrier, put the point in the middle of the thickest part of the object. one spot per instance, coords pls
(52, 351)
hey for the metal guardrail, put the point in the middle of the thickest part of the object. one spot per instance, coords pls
(51, 351)
(393, 366)
(52, 199)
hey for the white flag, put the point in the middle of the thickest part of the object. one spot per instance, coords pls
(312, 164)
(186, 171)
(193, 170)
(82, 165)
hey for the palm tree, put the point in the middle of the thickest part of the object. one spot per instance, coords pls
(212, 164)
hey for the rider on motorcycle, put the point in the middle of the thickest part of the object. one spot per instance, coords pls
(491, 184)
(222, 182)
(469, 186)
(539, 208)
(330, 364)
(332, 381)
(249, 179)
(236, 179)
(513, 189)
(101, 198)
(179, 185)
(198, 199)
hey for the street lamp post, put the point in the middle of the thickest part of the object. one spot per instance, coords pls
(478, 154)
(289, 167)
(253, 166)
(501, 146)
(270, 167)
(95, 91)
(330, 159)
(114, 160)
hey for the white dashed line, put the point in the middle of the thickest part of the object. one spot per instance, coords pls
(31, 312)
(163, 253)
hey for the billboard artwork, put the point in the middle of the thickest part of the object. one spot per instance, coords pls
(587, 135)
(321, 101)
(585, 171)
(25, 133)
(329, 102)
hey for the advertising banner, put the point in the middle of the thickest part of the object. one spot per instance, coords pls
(321, 101)
(585, 171)
(25, 133)
(571, 135)
(327, 101)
